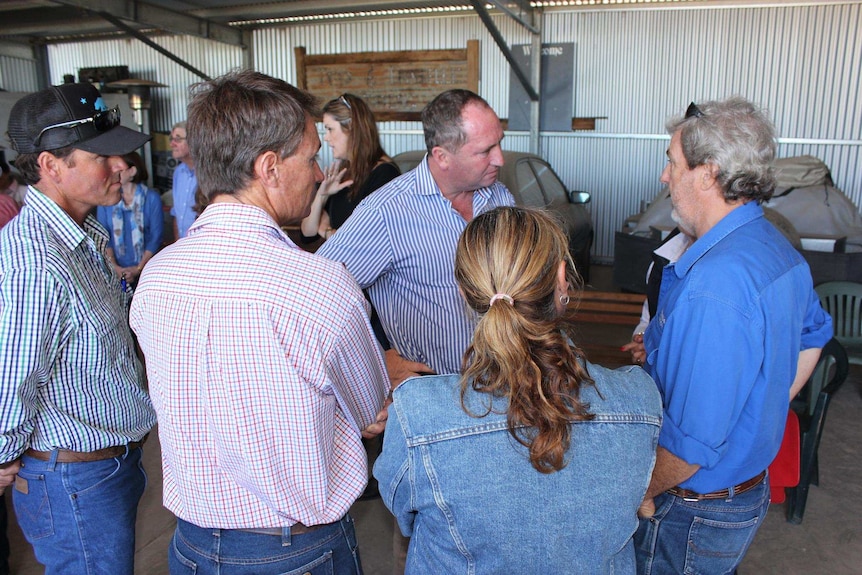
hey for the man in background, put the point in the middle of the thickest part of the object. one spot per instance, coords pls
(185, 182)
(737, 327)
(73, 408)
(261, 360)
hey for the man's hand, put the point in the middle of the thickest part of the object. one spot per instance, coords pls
(636, 348)
(400, 369)
(647, 508)
(132, 273)
(8, 471)
(376, 428)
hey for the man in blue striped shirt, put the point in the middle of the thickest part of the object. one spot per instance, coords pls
(400, 242)
(73, 407)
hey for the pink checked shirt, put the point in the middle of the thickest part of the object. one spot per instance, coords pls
(263, 368)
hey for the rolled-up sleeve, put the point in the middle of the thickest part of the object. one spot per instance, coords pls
(817, 325)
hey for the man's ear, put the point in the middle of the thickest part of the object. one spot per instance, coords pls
(441, 155)
(50, 166)
(709, 176)
(266, 168)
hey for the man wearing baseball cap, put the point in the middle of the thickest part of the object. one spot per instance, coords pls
(73, 407)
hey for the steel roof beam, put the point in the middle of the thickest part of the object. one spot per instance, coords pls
(152, 16)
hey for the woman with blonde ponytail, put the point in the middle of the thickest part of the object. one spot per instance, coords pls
(531, 459)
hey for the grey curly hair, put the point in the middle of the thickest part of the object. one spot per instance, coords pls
(738, 138)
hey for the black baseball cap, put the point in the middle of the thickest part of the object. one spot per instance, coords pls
(70, 115)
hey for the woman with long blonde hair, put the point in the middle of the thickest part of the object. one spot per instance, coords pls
(532, 459)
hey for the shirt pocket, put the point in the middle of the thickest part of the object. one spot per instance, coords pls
(101, 343)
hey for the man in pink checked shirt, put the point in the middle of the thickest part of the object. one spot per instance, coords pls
(262, 365)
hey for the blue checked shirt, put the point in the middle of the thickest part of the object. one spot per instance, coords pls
(400, 245)
(69, 377)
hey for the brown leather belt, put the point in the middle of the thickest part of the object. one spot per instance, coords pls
(722, 493)
(295, 529)
(68, 456)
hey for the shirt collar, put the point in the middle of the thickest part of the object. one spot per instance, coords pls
(428, 186)
(183, 167)
(239, 217)
(728, 224)
(66, 229)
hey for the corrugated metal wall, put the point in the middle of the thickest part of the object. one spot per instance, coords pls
(637, 67)
(169, 104)
(18, 74)
(634, 66)
(273, 49)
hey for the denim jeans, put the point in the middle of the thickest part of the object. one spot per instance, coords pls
(330, 549)
(708, 536)
(80, 517)
(4, 539)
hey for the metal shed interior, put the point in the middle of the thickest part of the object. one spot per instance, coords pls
(636, 63)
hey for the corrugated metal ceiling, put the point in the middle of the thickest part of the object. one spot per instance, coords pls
(51, 21)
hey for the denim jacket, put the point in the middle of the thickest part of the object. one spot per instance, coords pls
(465, 491)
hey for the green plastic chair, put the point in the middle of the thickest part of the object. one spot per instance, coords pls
(811, 406)
(843, 301)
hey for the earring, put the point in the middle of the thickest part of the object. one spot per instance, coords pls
(564, 299)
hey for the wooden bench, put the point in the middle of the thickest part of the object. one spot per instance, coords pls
(597, 308)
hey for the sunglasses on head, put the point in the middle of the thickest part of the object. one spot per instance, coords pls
(345, 102)
(102, 122)
(693, 111)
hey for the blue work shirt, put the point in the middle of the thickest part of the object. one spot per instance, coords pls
(733, 314)
(399, 244)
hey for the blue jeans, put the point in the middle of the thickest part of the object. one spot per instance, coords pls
(330, 549)
(707, 537)
(80, 517)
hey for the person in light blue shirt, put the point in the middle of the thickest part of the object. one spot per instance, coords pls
(532, 459)
(134, 224)
(185, 182)
(737, 330)
(74, 411)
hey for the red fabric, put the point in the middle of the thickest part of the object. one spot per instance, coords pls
(8, 209)
(784, 470)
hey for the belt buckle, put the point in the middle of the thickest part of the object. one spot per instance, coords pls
(691, 499)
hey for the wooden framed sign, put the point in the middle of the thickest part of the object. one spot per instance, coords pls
(396, 85)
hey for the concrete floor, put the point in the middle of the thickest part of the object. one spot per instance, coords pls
(829, 540)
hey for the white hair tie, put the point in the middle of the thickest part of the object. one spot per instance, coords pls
(503, 296)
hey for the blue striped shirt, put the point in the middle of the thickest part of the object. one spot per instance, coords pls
(399, 244)
(69, 377)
